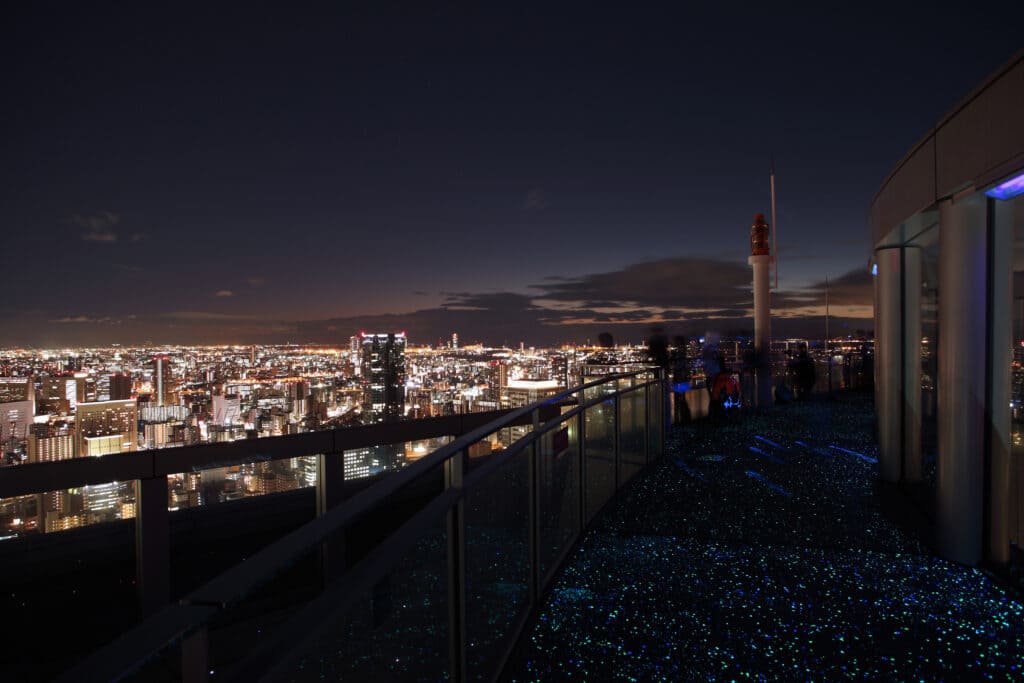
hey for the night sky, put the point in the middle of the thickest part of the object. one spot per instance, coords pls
(183, 175)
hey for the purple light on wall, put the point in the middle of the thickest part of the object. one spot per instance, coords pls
(1008, 190)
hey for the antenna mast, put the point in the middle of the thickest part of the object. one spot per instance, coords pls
(775, 225)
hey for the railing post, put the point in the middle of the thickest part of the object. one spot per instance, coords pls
(455, 523)
(152, 544)
(647, 423)
(534, 521)
(195, 657)
(581, 422)
(616, 430)
(330, 492)
(534, 472)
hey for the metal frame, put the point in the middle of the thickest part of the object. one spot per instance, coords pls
(297, 636)
(150, 469)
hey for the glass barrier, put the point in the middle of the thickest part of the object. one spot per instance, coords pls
(497, 561)
(398, 629)
(632, 434)
(599, 449)
(558, 479)
(395, 631)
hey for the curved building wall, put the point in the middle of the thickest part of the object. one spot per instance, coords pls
(944, 254)
(979, 142)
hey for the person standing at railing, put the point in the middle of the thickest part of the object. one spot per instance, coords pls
(804, 374)
(679, 376)
(672, 362)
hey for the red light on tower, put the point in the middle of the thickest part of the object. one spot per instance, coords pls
(759, 244)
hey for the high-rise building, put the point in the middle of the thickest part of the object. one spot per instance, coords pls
(50, 448)
(58, 388)
(227, 410)
(522, 392)
(106, 427)
(383, 376)
(17, 407)
(13, 389)
(161, 380)
(15, 419)
(120, 387)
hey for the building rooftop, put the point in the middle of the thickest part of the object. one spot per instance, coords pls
(758, 549)
(533, 384)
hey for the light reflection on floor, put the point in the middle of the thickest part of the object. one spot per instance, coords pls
(706, 569)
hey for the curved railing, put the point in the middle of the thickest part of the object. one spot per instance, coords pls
(431, 574)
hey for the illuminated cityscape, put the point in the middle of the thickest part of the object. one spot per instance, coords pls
(60, 404)
(442, 341)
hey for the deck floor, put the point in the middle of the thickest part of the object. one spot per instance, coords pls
(757, 550)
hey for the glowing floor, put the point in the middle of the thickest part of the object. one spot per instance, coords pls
(757, 550)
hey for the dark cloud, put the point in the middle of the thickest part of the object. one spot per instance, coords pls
(84, 320)
(683, 296)
(101, 220)
(854, 288)
(536, 200)
(687, 283)
(99, 226)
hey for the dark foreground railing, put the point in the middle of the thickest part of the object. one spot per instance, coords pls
(149, 470)
(441, 591)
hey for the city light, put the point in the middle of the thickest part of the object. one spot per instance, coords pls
(90, 402)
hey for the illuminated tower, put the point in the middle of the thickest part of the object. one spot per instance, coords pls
(383, 377)
(161, 379)
(760, 259)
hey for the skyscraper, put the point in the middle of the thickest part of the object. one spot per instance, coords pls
(106, 427)
(120, 386)
(161, 379)
(383, 376)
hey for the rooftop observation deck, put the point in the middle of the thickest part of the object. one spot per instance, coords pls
(599, 546)
(760, 550)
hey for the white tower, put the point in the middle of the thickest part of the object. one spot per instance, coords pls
(760, 259)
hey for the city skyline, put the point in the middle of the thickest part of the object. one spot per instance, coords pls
(500, 172)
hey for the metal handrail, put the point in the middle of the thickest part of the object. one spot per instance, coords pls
(133, 649)
(234, 584)
(340, 597)
(42, 477)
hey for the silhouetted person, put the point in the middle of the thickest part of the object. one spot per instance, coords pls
(657, 350)
(680, 374)
(867, 367)
(605, 340)
(804, 373)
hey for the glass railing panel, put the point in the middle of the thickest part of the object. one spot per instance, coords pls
(1016, 506)
(632, 440)
(54, 511)
(599, 448)
(497, 562)
(249, 626)
(606, 389)
(373, 461)
(395, 631)
(559, 490)
(86, 574)
(656, 420)
(480, 452)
